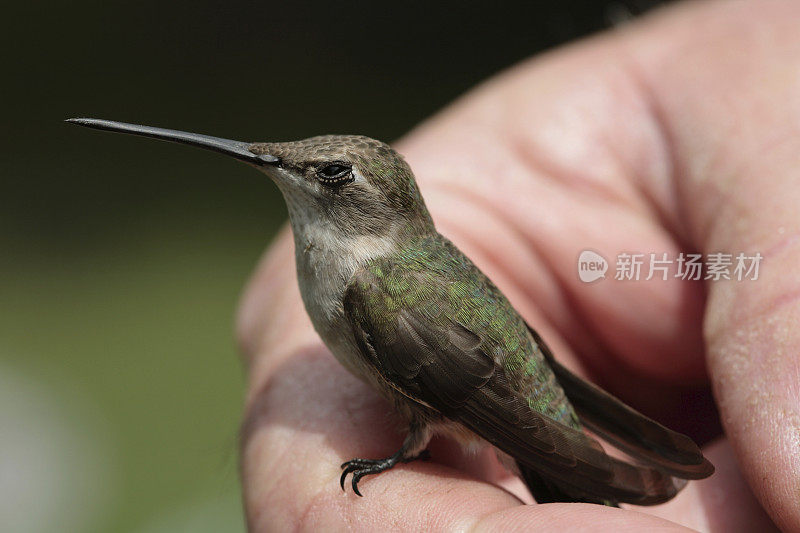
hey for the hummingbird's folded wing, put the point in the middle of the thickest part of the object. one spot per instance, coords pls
(627, 429)
(443, 364)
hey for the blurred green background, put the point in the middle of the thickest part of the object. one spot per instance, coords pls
(122, 259)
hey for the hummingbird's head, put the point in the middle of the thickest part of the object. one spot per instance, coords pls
(350, 184)
(345, 185)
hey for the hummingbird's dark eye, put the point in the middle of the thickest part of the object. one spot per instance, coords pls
(335, 173)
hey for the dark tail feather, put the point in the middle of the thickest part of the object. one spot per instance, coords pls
(545, 491)
(627, 429)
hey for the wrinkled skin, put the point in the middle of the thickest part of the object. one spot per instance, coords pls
(678, 132)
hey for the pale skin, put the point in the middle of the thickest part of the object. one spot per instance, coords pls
(680, 132)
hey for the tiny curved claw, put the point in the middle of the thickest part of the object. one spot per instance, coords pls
(360, 468)
(349, 466)
(365, 467)
(356, 479)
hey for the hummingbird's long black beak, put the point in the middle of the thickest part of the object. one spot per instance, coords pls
(238, 149)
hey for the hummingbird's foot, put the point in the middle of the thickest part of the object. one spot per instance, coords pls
(364, 467)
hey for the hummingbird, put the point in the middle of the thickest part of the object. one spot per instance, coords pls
(403, 309)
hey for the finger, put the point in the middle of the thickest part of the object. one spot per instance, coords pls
(723, 502)
(573, 517)
(731, 109)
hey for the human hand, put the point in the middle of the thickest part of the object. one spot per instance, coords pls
(676, 133)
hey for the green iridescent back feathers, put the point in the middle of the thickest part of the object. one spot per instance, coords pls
(432, 278)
